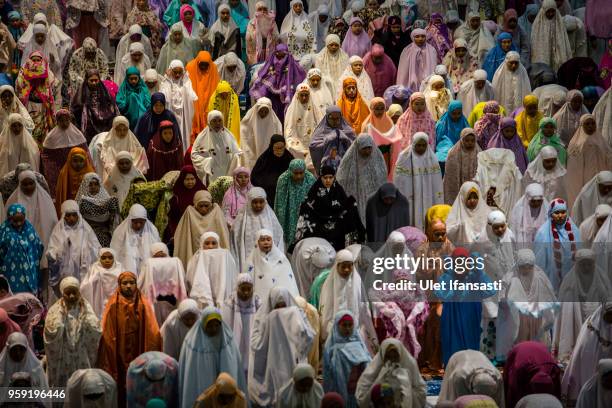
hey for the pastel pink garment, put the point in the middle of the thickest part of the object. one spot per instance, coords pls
(416, 63)
(356, 44)
(235, 198)
(411, 122)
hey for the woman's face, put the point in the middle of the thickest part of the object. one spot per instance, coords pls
(138, 224)
(213, 328)
(350, 91)
(396, 28)
(264, 243)
(258, 205)
(127, 287)
(346, 328)
(136, 58)
(506, 45)
(420, 39)
(133, 80)
(548, 129)
(297, 176)
(189, 181)
(63, 122)
(365, 152)
(589, 126)
(333, 47)
(6, 98)
(345, 269)
(314, 81)
(263, 112)
(189, 319)
(27, 186)
(210, 243)
(499, 229)
(177, 73)
(512, 65)
(472, 200)
(245, 291)
(141, 4)
(333, 120)
(475, 23)
(298, 8)
(550, 13)
(420, 147)
(93, 81)
(356, 28)
(167, 134)
(549, 164)
(71, 296)
(107, 260)
(216, 124)
(225, 15)
(16, 128)
(379, 109)
(418, 105)
(559, 216)
(536, 203)
(460, 52)
(17, 353)
(77, 162)
(158, 108)
(124, 166)
(71, 218)
(303, 97)
(328, 180)
(357, 67)
(93, 187)
(509, 132)
(121, 130)
(469, 141)
(188, 15)
(576, 103)
(242, 179)
(456, 115)
(17, 220)
(204, 207)
(437, 86)
(392, 354)
(278, 149)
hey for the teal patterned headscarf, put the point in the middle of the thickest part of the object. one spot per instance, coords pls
(289, 197)
(539, 141)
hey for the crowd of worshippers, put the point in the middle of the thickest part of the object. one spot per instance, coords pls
(194, 193)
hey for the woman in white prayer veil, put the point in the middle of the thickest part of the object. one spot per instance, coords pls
(133, 238)
(269, 266)
(256, 128)
(393, 365)
(84, 383)
(296, 31)
(73, 245)
(134, 34)
(547, 171)
(511, 82)
(468, 215)
(231, 69)
(47, 48)
(343, 290)
(499, 177)
(293, 396)
(40, 210)
(120, 180)
(135, 57)
(29, 362)
(475, 90)
(116, 141)
(597, 191)
(528, 215)
(469, 372)
(592, 224)
(582, 291)
(161, 281)
(592, 345)
(355, 70)
(17, 145)
(597, 392)
(62, 42)
(497, 241)
(549, 41)
(332, 60)
(239, 313)
(180, 97)
(310, 257)
(10, 103)
(176, 326)
(100, 282)
(321, 89)
(527, 307)
(301, 119)
(479, 39)
(281, 333)
(255, 215)
(211, 272)
(215, 152)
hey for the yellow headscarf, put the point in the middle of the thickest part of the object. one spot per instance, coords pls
(527, 126)
(228, 106)
(437, 212)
